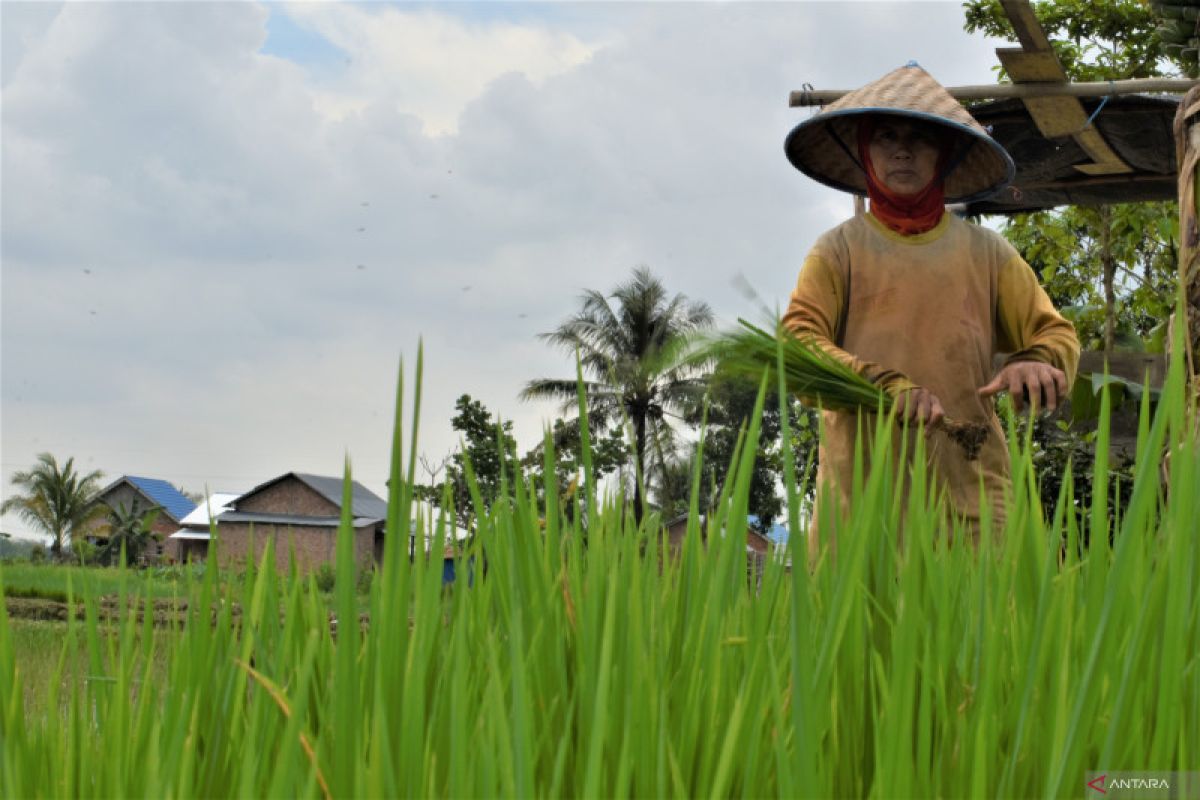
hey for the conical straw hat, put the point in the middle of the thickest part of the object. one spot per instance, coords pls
(825, 146)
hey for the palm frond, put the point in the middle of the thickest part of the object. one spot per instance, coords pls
(559, 389)
(603, 402)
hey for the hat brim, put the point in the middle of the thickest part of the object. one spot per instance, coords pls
(825, 148)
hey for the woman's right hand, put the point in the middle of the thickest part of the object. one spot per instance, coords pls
(919, 405)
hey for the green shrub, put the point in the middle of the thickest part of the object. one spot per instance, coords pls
(84, 553)
(36, 593)
(365, 577)
(325, 577)
(177, 572)
(1056, 446)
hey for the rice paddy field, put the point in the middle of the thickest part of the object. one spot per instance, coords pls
(50, 582)
(581, 662)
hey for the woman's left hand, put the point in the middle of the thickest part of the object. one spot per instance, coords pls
(1045, 386)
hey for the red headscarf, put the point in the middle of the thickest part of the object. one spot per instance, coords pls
(908, 214)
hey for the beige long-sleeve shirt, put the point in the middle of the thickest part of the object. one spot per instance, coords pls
(928, 310)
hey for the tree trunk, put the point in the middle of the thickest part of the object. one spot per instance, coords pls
(1109, 265)
(639, 458)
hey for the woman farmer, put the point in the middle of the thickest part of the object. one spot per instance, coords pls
(914, 298)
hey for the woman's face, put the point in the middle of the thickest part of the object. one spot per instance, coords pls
(905, 154)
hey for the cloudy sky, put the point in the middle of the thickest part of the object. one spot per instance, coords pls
(224, 224)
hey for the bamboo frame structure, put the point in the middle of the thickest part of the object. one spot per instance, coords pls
(1001, 91)
(1187, 151)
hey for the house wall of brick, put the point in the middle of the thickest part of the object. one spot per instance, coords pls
(125, 495)
(289, 496)
(163, 549)
(757, 542)
(678, 532)
(185, 550)
(313, 545)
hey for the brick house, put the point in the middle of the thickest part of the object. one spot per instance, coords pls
(144, 494)
(300, 513)
(759, 548)
(756, 543)
(190, 542)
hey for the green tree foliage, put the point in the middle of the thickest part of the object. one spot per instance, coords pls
(130, 529)
(730, 405)
(1056, 445)
(1095, 40)
(488, 445)
(805, 429)
(56, 500)
(630, 353)
(609, 455)
(1111, 270)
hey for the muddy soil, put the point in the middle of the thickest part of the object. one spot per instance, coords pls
(166, 613)
(969, 436)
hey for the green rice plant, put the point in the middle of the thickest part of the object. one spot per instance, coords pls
(806, 370)
(50, 581)
(576, 656)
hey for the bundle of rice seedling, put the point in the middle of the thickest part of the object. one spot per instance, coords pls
(818, 377)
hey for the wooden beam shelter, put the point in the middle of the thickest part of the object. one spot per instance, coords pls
(1002, 91)
(1055, 116)
(1042, 85)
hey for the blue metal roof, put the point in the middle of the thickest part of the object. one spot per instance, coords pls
(778, 533)
(173, 501)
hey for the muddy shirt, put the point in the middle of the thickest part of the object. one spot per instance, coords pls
(927, 310)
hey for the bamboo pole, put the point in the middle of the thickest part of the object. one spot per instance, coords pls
(813, 97)
(1187, 150)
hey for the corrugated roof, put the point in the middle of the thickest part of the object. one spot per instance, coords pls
(365, 503)
(297, 520)
(165, 496)
(173, 501)
(187, 533)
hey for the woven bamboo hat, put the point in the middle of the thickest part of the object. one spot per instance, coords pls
(825, 146)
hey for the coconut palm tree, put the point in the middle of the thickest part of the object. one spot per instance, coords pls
(129, 528)
(630, 354)
(56, 500)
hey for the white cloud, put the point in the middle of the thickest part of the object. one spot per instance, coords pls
(429, 63)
